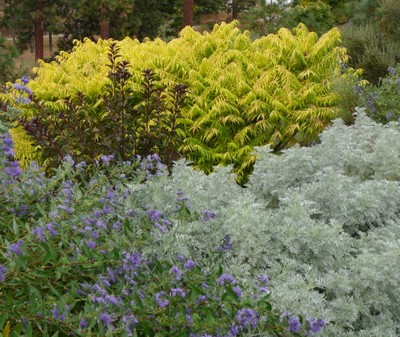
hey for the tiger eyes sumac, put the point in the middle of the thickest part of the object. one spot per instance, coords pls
(276, 90)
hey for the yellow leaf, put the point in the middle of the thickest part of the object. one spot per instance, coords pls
(6, 331)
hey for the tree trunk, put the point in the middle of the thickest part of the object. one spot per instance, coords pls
(104, 25)
(38, 27)
(235, 10)
(50, 42)
(105, 30)
(188, 13)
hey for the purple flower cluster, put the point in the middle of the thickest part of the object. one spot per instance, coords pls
(207, 215)
(201, 299)
(161, 301)
(129, 321)
(16, 248)
(25, 79)
(22, 87)
(263, 279)
(226, 279)
(294, 324)
(39, 232)
(392, 71)
(226, 243)
(23, 91)
(130, 261)
(96, 225)
(106, 318)
(178, 292)
(8, 146)
(107, 159)
(3, 272)
(83, 323)
(56, 314)
(247, 318)
(189, 264)
(152, 165)
(181, 196)
(238, 292)
(159, 220)
(176, 272)
(12, 169)
(316, 324)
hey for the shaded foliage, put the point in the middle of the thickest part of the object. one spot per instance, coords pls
(119, 122)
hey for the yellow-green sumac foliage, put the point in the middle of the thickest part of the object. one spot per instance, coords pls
(275, 90)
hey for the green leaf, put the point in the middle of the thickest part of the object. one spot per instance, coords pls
(229, 294)
(15, 228)
(42, 211)
(195, 291)
(54, 290)
(138, 301)
(92, 322)
(29, 331)
(51, 254)
(21, 262)
(3, 319)
(34, 295)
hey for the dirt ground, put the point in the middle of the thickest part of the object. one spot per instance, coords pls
(26, 61)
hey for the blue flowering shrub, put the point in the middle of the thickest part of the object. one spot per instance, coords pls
(382, 100)
(322, 222)
(84, 256)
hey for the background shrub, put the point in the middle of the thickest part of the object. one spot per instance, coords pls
(7, 58)
(275, 90)
(120, 122)
(381, 100)
(371, 49)
(316, 15)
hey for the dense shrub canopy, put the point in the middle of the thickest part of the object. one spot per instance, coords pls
(276, 90)
(322, 220)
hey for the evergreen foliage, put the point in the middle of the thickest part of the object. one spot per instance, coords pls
(363, 11)
(276, 90)
(382, 100)
(316, 15)
(7, 58)
(371, 49)
(265, 18)
(389, 12)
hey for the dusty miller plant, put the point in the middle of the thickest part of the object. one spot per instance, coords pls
(321, 221)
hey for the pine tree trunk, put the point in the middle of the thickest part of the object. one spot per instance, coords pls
(235, 10)
(188, 13)
(38, 27)
(105, 30)
(104, 25)
(50, 43)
